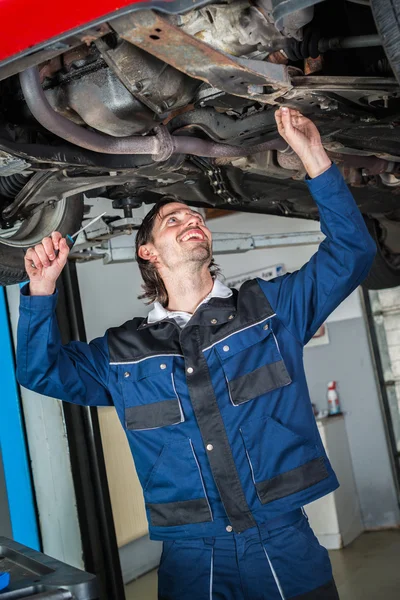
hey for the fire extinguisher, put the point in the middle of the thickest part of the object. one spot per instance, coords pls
(333, 399)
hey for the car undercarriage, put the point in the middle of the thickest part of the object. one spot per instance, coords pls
(179, 100)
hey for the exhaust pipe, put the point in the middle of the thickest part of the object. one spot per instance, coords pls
(161, 145)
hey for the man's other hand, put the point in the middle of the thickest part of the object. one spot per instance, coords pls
(43, 266)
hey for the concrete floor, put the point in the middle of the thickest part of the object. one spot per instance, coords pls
(366, 570)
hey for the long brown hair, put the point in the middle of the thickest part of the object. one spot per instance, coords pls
(153, 286)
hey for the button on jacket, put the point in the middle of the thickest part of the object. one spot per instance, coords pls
(217, 414)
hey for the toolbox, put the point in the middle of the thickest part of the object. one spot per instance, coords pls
(26, 573)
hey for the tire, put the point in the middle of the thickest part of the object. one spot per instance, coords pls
(387, 18)
(385, 270)
(12, 268)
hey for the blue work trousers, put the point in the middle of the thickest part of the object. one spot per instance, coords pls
(279, 560)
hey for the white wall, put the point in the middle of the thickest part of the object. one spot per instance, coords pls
(109, 295)
(292, 257)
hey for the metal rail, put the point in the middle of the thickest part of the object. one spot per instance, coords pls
(223, 243)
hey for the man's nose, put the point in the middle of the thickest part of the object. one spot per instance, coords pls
(194, 220)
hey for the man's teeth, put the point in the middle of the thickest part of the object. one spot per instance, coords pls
(193, 234)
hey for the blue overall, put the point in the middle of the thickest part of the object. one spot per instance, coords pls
(273, 561)
(218, 415)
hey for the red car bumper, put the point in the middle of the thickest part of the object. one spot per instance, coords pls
(27, 24)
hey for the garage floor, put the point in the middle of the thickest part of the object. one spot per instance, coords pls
(365, 570)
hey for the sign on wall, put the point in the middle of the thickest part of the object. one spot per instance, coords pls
(266, 273)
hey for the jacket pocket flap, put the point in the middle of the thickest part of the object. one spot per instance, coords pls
(173, 514)
(272, 448)
(243, 339)
(155, 365)
(260, 381)
(154, 415)
(295, 480)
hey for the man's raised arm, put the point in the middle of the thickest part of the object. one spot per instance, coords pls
(304, 299)
(75, 372)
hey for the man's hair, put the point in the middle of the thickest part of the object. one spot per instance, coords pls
(153, 285)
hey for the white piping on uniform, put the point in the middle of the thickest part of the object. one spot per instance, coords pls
(135, 362)
(238, 331)
(277, 345)
(177, 397)
(279, 350)
(211, 572)
(245, 401)
(229, 391)
(250, 464)
(201, 479)
(278, 585)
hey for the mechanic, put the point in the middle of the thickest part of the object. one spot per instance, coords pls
(212, 393)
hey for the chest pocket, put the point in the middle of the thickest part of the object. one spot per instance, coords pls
(252, 363)
(150, 396)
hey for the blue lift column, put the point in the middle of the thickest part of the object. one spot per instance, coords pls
(13, 442)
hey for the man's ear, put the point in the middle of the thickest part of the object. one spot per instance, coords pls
(147, 252)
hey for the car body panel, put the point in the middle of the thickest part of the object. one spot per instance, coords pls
(27, 25)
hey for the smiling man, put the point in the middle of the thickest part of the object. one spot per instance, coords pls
(174, 252)
(211, 391)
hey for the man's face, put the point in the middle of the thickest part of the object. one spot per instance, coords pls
(179, 236)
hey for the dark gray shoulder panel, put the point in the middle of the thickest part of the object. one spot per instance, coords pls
(252, 301)
(222, 317)
(216, 319)
(128, 343)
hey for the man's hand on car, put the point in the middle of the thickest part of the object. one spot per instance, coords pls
(303, 137)
(43, 266)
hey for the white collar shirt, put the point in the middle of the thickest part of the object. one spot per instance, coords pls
(158, 312)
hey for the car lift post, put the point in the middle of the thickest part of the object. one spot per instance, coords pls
(99, 543)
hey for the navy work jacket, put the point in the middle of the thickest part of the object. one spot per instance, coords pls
(217, 414)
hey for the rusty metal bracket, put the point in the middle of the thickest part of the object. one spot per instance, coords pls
(87, 36)
(253, 79)
(326, 91)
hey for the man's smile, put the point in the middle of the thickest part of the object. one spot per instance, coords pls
(193, 235)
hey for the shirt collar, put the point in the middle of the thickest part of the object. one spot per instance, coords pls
(158, 312)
